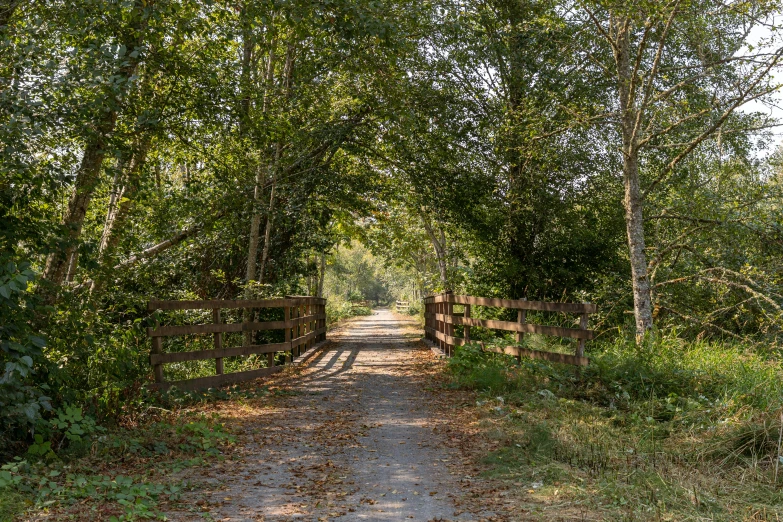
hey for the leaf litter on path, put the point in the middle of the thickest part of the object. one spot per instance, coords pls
(364, 431)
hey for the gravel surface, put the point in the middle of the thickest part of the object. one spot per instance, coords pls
(353, 436)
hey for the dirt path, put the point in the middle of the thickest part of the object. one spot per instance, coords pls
(354, 436)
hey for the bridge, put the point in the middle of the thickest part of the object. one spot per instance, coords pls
(298, 325)
(362, 430)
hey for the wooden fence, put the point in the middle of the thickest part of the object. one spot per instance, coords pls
(403, 306)
(304, 325)
(440, 320)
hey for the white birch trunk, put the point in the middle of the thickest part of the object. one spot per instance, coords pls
(633, 203)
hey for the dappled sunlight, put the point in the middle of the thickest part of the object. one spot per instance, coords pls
(349, 434)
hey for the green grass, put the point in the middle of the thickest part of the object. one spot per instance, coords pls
(671, 430)
(11, 503)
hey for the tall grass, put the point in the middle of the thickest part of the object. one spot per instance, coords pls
(669, 430)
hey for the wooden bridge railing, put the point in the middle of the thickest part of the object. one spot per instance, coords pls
(440, 319)
(304, 325)
(402, 306)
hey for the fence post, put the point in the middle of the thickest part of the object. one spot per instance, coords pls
(218, 342)
(427, 319)
(302, 311)
(157, 348)
(297, 333)
(305, 328)
(441, 327)
(580, 350)
(429, 322)
(521, 319)
(287, 318)
(435, 323)
(305, 312)
(466, 327)
(313, 322)
(449, 327)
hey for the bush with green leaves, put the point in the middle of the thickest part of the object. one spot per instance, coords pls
(22, 396)
(137, 496)
(480, 370)
(337, 310)
(68, 428)
(414, 308)
(44, 479)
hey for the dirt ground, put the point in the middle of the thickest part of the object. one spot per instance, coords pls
(364, 430)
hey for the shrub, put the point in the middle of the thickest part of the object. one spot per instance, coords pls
(22, 398)
(337, 310)
(480, 370)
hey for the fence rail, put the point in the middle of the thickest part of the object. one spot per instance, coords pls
(402, 306)
(304, 326)
(440, 320)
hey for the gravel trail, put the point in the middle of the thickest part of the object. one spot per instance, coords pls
(353, 436)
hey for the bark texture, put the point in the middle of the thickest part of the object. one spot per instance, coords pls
(273, 170)
(269, 216)
(62, 261)
(438, 239)
(633, 201)
(61, 264)
(258, 190)
(123, 198)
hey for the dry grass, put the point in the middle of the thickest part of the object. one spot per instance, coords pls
(598, 445)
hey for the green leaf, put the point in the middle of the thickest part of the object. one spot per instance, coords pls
(5, 478)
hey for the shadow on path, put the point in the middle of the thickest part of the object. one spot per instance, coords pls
(354, 441)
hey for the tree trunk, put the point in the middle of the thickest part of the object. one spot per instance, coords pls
(87, 178)
(634, 222)
(62, 263)
(258, 191)
(117, 191)
(163, 245)
(255, 228)
(124, 194)
(287, 74)
(120, 205)
(269, 217)
(321, 274)
(440, 250)
(634, 219)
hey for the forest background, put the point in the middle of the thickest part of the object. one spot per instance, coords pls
(587, 151)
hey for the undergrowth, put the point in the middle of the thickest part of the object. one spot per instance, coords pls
(77, 469)
(669, 430)
(338, 310)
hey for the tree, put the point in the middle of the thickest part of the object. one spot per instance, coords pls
(679, 70)
(131, 49)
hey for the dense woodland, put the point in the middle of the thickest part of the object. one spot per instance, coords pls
(599, 151)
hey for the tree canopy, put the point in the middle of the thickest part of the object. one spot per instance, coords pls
(553, 150)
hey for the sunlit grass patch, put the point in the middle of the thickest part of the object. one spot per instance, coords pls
(667, 431)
